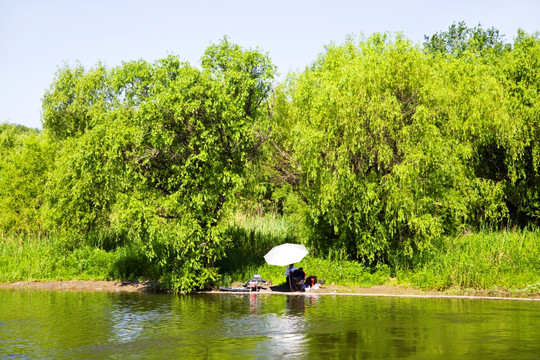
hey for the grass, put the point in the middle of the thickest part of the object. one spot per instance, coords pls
(40, 258)
(253, 237)
(489, 262)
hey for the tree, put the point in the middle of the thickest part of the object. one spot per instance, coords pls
(381, 138)
(76, 100)
(460, 39)
(522, 75)
(165, 154)
(25, 159)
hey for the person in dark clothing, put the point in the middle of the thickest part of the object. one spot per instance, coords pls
(298, 279)
(299, 273)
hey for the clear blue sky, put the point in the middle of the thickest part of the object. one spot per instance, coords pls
(37, 37)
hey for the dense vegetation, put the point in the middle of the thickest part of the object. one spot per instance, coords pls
(381, 156)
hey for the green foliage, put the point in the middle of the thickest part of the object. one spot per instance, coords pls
(251, 238)
(522, 75)
(375, 154)
(460, 39)
(25, 159)
(75, 100)
(486, 260)
(156, 152)
(383, 139)
(42, 258)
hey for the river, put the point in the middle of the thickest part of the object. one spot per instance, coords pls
(96, 325)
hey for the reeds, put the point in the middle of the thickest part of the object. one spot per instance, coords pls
(252, 237)
(486, 260)
(42, 258)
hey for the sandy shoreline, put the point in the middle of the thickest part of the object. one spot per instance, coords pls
(150, 287)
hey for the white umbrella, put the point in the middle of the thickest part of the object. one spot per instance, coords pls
(285, 254)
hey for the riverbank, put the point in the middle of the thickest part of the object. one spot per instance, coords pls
(503, 264)
(380, 290)
(83, 285)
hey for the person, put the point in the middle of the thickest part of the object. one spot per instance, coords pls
(289, 271)
(299, 277)
(299, 273)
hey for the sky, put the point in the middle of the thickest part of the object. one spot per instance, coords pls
(37, 37)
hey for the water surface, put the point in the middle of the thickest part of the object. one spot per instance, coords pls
(93, 325)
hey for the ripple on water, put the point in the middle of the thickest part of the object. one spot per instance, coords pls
(47, 325)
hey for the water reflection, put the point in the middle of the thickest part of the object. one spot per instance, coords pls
(129, 319)
(285, 330)
(45, 325)
(296, 305)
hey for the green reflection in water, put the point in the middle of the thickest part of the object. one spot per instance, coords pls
(67, 325)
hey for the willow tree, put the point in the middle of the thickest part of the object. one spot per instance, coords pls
(25, 159)
(380, 138)
(461, 40)
(156, 152)
(521, 70)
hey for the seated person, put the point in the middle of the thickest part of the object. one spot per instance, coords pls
(299, 273)
(311, 281)
(299, 276)
(289, 271)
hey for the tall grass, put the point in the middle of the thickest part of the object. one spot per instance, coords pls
(486, 260)
(250, 239)
(42, 258)
(253, 236)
